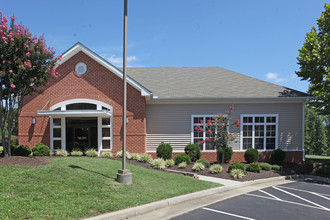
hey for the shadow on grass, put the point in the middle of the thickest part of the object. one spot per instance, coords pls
(78, 167)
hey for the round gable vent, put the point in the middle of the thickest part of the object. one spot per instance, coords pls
(81, 68)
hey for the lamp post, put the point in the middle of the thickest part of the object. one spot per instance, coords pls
(124, 175)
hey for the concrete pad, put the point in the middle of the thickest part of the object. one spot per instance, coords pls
(224, 182)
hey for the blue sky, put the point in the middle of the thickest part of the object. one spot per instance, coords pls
(259, 38)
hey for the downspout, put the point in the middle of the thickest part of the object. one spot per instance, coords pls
(303, 129)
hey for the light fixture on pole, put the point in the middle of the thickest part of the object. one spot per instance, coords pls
(124, 175)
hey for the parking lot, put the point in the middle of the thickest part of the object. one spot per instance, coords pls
(296, 200)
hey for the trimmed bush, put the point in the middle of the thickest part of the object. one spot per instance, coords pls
(216, 168)
(251, 155)
(91, 153)
(62, 153)
(276, 167)
(228, 153)
(277, 156)
(106, 154)
(266, 166)
(1, 149)
(145, 158)
(23, 151)
(41, 150)
(236, 165)
(120, 154)
(76, 153)
(182, 165)
(134, 156)
(164, 151)
(193, 151)
(324, 170)
(158, 163)
(253, 167)
(13, 149)
(198, 167)
(237, 173)
(182, 158)
(204, 161)
(169, 163)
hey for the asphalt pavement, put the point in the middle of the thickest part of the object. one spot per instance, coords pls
(295, 200)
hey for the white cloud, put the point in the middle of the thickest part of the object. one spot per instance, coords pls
(274, 77)
(118, 61)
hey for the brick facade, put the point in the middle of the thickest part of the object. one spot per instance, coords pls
(98, 83)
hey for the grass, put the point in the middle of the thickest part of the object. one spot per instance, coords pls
(72, 188)
(317, 159)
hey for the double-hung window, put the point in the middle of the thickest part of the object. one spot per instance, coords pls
(199, 137)
(259, 132)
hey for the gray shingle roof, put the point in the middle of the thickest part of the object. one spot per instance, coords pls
(206, 82)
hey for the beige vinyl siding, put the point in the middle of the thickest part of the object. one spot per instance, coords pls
(171, 123)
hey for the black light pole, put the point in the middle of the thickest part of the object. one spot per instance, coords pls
(124, 175)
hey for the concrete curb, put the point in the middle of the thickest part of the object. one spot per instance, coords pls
(139, 210)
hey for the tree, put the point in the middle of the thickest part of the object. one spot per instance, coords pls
(315, 133)
(217, 131)
(314, 61)
(26, 65)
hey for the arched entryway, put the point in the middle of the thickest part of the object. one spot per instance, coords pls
(80, 124)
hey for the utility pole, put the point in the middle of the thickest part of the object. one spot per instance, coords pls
(124, 175)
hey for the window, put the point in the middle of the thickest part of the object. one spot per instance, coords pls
(80, 106)
(199, 137)
(106, 133)
(57, 133)
(259, 132)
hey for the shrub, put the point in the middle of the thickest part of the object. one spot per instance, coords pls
(237, 173)
(145, 158)
(91, 153)
(251, 155)
(41, 150)
(158, 163)
(276, 167)
(193, 151)
(134, 156)
(76, 153)
(182, 158)
(253, 167)
(198, 167)
(13, 149)
(324, 170)
(120, 154)
(277, 156)
(1, 149)
(62, 153)
(228, 153)
(164, 151)
(236, 165)
(216, 168)
(204, 161)
(128, 155)
(169, 163)
(51, 153)
(23, 151)
(266, 166)
(107, 154)
(182, 165)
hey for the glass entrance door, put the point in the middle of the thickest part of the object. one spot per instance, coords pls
(81, 134)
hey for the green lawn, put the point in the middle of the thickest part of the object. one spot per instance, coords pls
(317, 159)
(81, 187)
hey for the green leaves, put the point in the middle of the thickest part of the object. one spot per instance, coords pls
(314, 61)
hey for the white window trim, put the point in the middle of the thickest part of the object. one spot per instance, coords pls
(253, 136)
(204, 136)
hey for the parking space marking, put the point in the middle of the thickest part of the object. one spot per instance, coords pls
(227, 213)
(282, 190)
(270, 195)
(301, 190)
(309, 206)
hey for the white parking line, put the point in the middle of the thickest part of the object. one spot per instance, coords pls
(226, 213)
(301, 198)
(295, 203)
(270, 195)
(301, 190)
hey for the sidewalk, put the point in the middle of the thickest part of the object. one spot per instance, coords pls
(169, 208)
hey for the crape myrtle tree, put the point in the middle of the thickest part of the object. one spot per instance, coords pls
(314, 62)
(217, 131)
(26, 64)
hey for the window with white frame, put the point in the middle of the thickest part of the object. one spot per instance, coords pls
(57, 133)
(106, 133)
(259, 132)
(199, 137)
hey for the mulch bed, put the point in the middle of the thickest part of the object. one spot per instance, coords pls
(24, 161)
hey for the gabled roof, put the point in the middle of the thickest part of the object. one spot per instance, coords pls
(80, 47)
(207, 83)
